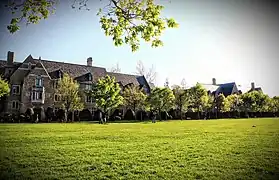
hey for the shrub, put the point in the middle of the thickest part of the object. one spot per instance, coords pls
(60, 115)
(49, 114)
(98, 115)
(29, 114)
(141, 115)
(85, 115)
(129, 115)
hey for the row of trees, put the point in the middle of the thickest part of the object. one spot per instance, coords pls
(108, 97)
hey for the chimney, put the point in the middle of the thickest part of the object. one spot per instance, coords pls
(10, 58)
(253, 86)
(213, 81)
(89, 61)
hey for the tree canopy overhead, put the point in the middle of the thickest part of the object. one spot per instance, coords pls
(126, 21)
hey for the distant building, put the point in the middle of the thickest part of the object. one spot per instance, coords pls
(253, 88)
(226, 88)
(33, 82)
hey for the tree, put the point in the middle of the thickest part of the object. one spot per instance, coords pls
(4, 87)
(116, 69)
(183, 83)
(150, 74)
(274, 104)
(106, 93)
(166, 85)
(222, 104)
(161, 99)
(182, 99)
(255, 101)
(199, 97)
(125, 21)
(234, 102)
(134, 98)
(70, 95)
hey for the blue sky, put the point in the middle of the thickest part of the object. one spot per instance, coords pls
(229, 40)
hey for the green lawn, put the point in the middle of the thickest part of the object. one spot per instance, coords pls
(213, 149)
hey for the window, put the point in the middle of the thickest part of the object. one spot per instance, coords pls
(88, 99)
(15, 105)
(88, 86)
(39, 81)
(37, 95)
(16, 89)
(89, 77)
(57, 97)
(55, 84)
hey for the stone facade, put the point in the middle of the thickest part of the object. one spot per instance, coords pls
(33, 82)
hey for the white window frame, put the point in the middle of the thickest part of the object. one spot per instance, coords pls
(40, 81)
(37, 97)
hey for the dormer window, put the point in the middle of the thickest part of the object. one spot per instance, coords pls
(90, 77)
(59, 74)
(39, 81)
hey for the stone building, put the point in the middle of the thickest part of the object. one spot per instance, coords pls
(33, 82)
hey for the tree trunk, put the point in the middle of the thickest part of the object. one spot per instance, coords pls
(180, 109)
(73, 116)
(141, 115)
(66, 115)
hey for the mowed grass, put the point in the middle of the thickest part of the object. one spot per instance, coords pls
(213, 149)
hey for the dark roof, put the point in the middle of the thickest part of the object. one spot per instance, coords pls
(256, 89)
(125, 78)
(3, 63)
(77, 71)
(226, 88)
(74, 70)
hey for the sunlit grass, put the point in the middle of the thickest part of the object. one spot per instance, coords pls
(213, 149)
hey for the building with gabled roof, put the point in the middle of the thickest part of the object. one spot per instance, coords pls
(33, 81)
(225, 88)
(253, 88)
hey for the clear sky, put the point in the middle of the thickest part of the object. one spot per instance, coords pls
(231, 40)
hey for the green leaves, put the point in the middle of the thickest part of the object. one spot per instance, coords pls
(4, 87)
(161, 99)
(255, 101)
(126, 21)
(134, 98)
(106, 93)
(132, 20)
(69, 89)
(222, 103)
(30, 11)
(198, 97)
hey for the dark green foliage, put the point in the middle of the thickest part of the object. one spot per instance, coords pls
(129, 115)
(60, 115)
(49, 114)
(85, 115)
(106, 93)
